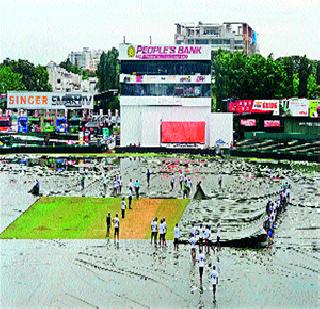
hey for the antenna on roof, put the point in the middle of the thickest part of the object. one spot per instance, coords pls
(150, 39)
(124, 39)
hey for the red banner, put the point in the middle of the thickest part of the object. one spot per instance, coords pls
(248, 122)
(271, 123)
(183, 132)
(240, 106)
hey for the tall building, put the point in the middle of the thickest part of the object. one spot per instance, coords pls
(86, 59)
(165, 96)
(64, 81)
(230, 36)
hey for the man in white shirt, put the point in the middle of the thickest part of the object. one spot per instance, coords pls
(207, 235)
(154, 231)
(201, 262)
(165, 232)
(130, 199)
(181, 178)
(105, 183)
(193, 242)
(176, 234)
(214, 281)
(130, 185)
(161, 230)
(116, 224)
(172, 181)
(193, 230)
(115, 186)
(123, 207)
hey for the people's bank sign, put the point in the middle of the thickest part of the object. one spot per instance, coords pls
(49, 100)
(164, 52)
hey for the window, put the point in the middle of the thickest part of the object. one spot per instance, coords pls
(202, 41)
(178, 90)
(190, 41)
(162, 67)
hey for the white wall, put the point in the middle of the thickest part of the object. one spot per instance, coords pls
(141, 124)
(220, 127)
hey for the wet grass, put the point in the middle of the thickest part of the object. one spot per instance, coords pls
(84, 218)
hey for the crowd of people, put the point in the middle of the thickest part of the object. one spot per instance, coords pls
(273, 209)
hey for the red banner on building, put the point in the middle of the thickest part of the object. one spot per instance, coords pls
(183, 132)
(248, 122)
(240, 106)
(271, 123)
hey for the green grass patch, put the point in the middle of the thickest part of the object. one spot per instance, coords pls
(84, 218)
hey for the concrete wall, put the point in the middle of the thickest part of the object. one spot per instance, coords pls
(220, 127)
(141, 124)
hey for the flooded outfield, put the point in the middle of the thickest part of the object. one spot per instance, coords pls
(86, 273)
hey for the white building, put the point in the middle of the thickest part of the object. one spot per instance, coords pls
(86, 59)
(64, 81)
(165, 97)
(231, 36)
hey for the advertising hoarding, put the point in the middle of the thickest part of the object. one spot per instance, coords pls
(165, 79)
(183, 132)
(296, 107)
(314, 108)
(248, 122)
(266, 107)
(240, 106)
(49, 100)
(164, 52)
(271, 123)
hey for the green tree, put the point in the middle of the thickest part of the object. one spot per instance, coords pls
(108, 70)
(303, 72)
(10, 80)
(33, 78)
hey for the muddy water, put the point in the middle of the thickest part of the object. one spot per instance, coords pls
(95, 273)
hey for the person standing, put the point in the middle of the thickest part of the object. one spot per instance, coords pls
(115, 186)
(218, 237)
(201, 263)
(130, 199)
(165, 232)
(172, 181)
(137, 188)
(193, 242)
(176, 234)
(130, 185)
(148, 177)
(123, 207)
(119, 184)
(105, 183)
(185, 189)
(201, 234)
(193, 230)
(220, 180)
(82, 182)
(207, 235)
(116, 223)
(181, 178)
(214, 281)
(154, 229)
(189, 185)
(108, 222)
(161, 230)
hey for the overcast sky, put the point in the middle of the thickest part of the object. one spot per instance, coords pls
(44, 30)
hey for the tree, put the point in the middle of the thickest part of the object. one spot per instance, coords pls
(303, 72)
(33, 78)
(9, 81)
(108, 70)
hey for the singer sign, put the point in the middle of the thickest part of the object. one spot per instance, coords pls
(49, 100)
